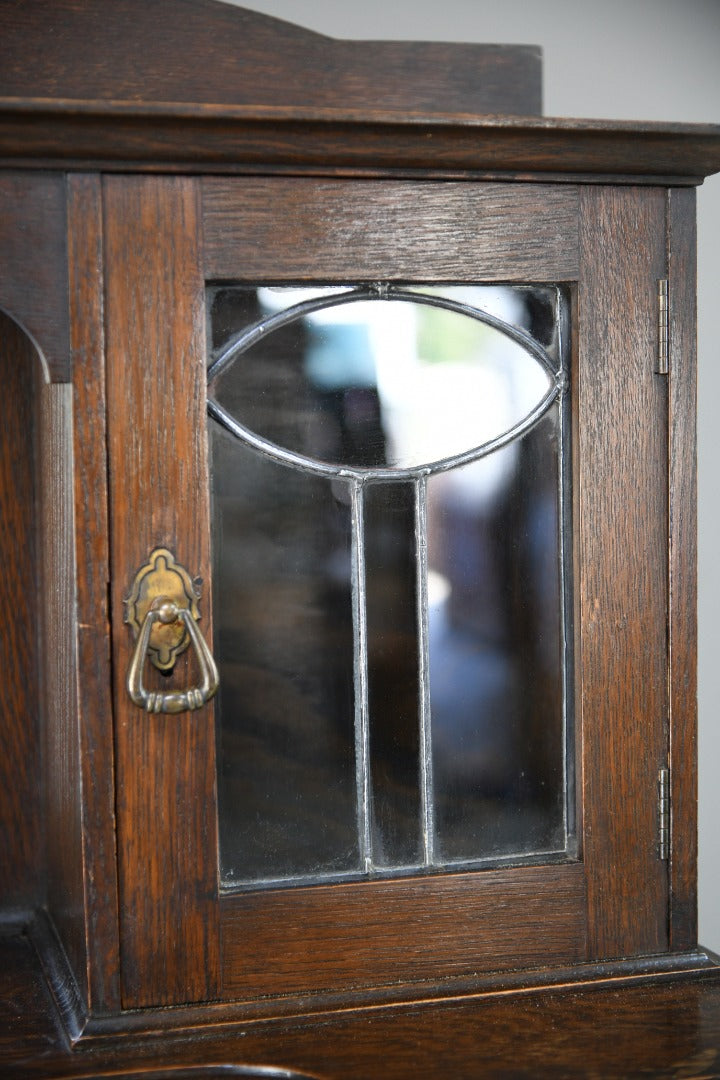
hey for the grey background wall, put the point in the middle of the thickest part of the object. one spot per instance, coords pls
(621, 59)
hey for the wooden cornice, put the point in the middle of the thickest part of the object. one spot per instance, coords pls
(190, 85)
(180, 137)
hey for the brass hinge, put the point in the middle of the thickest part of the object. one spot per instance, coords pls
(663, 328)
(664, 813)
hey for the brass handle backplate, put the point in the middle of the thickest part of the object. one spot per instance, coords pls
(163, 612)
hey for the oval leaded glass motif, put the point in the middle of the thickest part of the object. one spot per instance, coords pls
(380, 379)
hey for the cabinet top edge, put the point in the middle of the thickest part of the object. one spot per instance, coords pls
(71, 133)
(111, 108)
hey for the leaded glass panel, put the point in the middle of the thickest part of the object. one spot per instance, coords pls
(390, 516)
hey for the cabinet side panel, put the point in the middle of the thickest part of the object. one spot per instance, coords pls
(59, 676)
(22, 855)
(93, 634)
(166, 805)
(622, 529)
(683, 569)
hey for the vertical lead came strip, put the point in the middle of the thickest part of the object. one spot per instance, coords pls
(362, 732)
(426, 785)
(564, 525)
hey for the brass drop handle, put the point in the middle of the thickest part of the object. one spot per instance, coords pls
(165, 611)
(162, 611)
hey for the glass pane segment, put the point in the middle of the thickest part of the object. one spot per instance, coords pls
(393, 680)
(284, 644)
(397, 383)
(496, 647)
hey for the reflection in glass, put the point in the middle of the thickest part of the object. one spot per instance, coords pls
(380, 383)
(496, 650)
(284, 646)
(390, 517)
(393, 684)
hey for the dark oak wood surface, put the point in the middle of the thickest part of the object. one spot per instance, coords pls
(122, 136)
(167, 839)
(350, 231)
(32, 243)
(660, 1029)
(229, 90)
(91, 517)
(58, 672)
(376, 934)
(21, 810)
(682, 568)
(215, 53)
(621, 512)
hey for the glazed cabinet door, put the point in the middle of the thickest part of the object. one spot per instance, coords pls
(408, 441)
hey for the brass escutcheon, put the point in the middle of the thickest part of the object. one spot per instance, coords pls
(162, 577)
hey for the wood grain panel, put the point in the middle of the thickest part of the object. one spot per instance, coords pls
(159, 490)
(344, 230)
(124, 136)
(97, 789)
(33, 285)
(621, 513)
(216, 53)
(370, 934)
(63, 805)
(661, 1028)
(21, 819)
(683, 569)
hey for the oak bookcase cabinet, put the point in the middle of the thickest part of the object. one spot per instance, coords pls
(329, 843)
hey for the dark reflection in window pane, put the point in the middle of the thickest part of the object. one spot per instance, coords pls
(496, 652)
(393, 691)
(284, 644)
